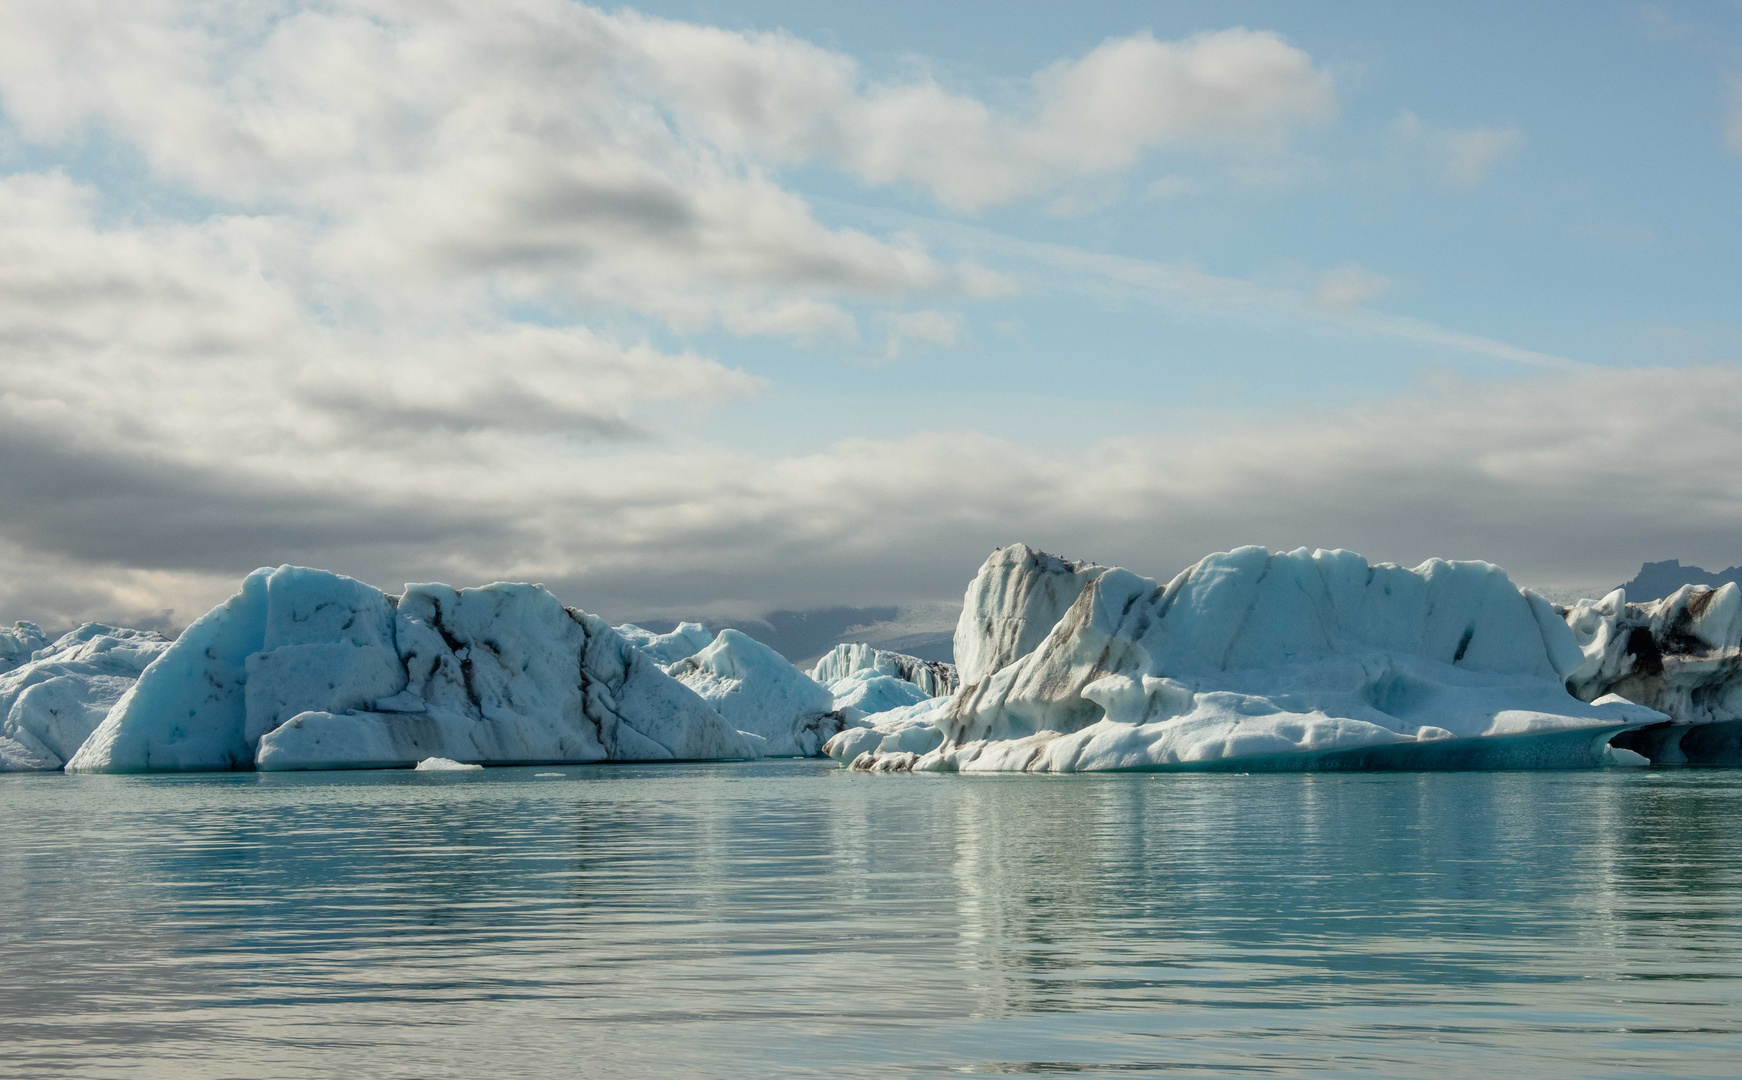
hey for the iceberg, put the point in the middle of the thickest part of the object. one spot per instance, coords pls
(1680, 655)
(758, 691)
(901, 734)
(442, 764)
(687, 639)
(867, 681)
(1251, 660)
(307, 669)
(18, 642)
(933, 678)
(867, 693)
(52, 701)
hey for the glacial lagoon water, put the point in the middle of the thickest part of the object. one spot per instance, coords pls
(790, 919)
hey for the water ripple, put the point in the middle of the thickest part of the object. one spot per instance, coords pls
(785, 918)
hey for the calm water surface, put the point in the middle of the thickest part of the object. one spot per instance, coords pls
(785, 918)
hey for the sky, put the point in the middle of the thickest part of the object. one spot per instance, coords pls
(711, 309)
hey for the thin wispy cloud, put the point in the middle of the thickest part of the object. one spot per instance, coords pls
(1335, 304)
(1463, 157)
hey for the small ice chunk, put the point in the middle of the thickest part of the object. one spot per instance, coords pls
(442, 764)
(1620, 755)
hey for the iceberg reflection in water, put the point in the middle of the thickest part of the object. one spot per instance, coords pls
(789, 917)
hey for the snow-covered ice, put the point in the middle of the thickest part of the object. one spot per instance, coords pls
(758, 691)
(685, 640)
(1310, 659)
(867, 681)
(866, 693)
(309, 669)
(912, 729)
(17, 642)
(933, 678)
(58, 694)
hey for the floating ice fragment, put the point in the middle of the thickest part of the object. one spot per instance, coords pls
(442, 764)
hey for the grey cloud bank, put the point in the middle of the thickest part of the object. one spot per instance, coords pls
(1564, 479)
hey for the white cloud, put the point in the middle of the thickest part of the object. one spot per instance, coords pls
(1186, 289)
(399, 319)
(1349, 287)
(510, 149)
(1462, 157)
(938, 328)
(1088, 117)
(172, 340)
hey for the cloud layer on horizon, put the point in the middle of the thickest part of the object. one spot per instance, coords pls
(1548, 476)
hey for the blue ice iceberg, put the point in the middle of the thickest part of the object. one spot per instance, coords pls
(867, 681)
(1249, 660)
(687, 639)
(56, 695)
(759, 692)
(306, 669)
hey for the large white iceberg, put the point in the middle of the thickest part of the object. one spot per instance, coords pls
(57, 695)
(1310, 659)
(758, 691)
(1680, 655)
(308, 669)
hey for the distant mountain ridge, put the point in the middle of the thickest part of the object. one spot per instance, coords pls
(1656, 580)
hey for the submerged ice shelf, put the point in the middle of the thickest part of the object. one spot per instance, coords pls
(1248, 660)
